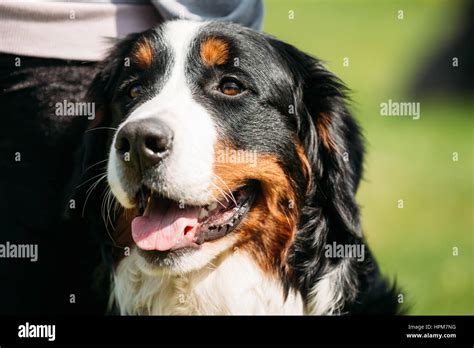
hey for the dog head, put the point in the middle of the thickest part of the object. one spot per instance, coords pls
(223, 139)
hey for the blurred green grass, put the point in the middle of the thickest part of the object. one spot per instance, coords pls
(406, 159)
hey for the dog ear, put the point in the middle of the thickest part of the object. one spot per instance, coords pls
(103, 86)
(90, 158)
(86, 190)
(333, 147)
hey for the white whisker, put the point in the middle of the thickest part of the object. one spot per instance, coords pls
(90, 189)
(99, 128)
(95, 176)
(231, 194)
(95, 164)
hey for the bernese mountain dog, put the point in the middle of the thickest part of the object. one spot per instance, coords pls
(233, 161)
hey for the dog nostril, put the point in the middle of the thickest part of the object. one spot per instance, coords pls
(122, 145)
(157, 144)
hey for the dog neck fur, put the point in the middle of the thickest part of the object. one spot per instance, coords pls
(232, 284)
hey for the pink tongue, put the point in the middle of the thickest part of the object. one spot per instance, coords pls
(164, 227)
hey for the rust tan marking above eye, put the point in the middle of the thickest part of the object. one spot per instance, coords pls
(143, 54)
(214, 51)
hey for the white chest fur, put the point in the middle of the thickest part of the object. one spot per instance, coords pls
(232, 285)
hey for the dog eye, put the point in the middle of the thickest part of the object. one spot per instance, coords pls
(134, 90)
(230, 87)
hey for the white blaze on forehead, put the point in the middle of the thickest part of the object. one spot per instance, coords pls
(176, 91)
(187, 173)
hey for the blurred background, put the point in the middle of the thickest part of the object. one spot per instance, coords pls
(406, 59)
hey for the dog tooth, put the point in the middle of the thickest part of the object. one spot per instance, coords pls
(203, 213)
(213, 206)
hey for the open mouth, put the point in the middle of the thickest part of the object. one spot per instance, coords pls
(165, 224)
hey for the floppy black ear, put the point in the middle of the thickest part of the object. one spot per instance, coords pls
(82, 221)
(83, 198)
(90, 160)
(333, 146)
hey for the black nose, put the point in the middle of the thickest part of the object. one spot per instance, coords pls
(144, 143)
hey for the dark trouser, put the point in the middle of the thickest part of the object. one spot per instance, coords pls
(37, 152)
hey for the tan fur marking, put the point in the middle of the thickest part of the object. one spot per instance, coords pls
(304, 161)
(214, 51)
(268, 230)
(143, 54)
(323, 123)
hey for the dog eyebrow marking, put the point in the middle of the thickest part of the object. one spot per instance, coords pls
(322, 125)
(143, 54)
(214, 51)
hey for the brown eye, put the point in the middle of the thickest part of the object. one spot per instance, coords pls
(230, 87)
(135, 90)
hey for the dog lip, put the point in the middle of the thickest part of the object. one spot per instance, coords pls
(210, 230)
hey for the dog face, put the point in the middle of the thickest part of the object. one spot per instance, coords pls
(227, 139)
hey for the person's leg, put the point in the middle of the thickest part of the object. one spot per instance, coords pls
(37, 148)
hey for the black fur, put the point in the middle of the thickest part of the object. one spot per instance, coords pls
(330, 213)
(33, 193)
(287, 92)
